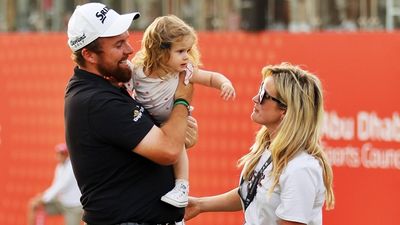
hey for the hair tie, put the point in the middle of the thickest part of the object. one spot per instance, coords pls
(165, 45)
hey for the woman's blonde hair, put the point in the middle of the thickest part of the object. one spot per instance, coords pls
(300, 128)
(157, 41)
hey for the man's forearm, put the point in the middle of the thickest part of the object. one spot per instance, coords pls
(175, 127)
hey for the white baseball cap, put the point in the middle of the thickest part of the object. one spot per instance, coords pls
(93, 20)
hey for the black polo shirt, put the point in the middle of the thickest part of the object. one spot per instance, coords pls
(103, 125)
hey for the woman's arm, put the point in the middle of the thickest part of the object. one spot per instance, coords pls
(229, 201)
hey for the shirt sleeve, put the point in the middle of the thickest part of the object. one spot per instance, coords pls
(59, 182)
(189, 73)
(298, 193)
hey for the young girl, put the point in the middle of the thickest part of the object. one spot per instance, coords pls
(169, 47)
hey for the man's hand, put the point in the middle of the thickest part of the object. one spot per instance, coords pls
(184, 91)
(191, 132)
(36, 201)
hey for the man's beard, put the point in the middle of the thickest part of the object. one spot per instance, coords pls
(118, 73)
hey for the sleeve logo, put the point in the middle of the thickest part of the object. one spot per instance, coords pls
(138, 113)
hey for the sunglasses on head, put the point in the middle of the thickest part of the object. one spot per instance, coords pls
(263, 95)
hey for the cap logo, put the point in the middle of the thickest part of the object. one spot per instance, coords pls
(78, 40)
(102, 14)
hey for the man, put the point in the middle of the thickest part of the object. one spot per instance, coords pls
(121, 160)
(62, 197)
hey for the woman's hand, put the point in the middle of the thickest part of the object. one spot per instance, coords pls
(192, 209)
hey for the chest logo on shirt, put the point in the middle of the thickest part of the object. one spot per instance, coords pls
(138, 113)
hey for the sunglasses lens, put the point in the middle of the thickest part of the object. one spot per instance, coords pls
(261, 94)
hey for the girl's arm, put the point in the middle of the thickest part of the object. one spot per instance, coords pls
(215, 80)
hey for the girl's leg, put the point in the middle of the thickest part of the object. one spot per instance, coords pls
(181, 167)
(178, 196)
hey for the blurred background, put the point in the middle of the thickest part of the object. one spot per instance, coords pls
(352, 45)
(217, 15)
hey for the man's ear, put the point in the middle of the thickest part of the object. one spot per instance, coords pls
(89, 56)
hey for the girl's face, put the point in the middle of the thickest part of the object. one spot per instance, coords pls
(179, 54)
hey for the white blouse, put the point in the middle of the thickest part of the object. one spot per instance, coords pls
(298, 197)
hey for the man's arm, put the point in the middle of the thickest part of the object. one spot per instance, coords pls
(56, 186)
(163, 145)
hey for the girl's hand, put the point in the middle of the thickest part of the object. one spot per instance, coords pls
(227, 91)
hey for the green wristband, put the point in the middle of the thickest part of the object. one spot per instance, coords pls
(181, 101)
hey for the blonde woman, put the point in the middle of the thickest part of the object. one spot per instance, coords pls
(169, 47)
(286, 177)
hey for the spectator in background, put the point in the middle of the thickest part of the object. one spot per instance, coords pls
(303, 15)
(62, 197)
(286, 177)
(348, 14)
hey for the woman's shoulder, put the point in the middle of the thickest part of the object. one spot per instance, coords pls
(303, 161)
(303, 169)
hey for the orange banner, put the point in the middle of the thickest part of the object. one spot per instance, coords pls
(359, 72)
